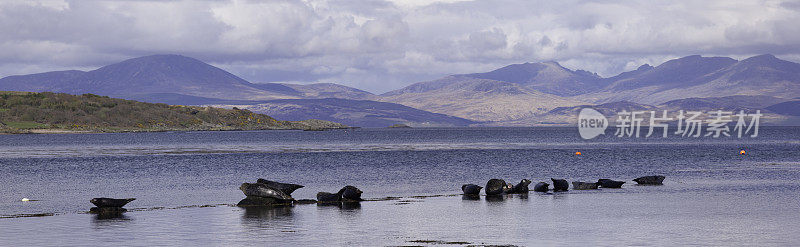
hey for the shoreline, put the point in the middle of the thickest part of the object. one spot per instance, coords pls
(102, 131)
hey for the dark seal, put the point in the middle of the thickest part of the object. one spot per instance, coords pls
(351, 193)
(521, 187)
(103, 202)
(560, 184)
(608, 183)
(495, 186)
(584, 185)
(471, 189)
(284, 187)
(650, 180)
(541, 187)
(262, 190)
(347, 193)
(323, 197)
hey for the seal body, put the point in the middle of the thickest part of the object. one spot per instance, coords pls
(471, 189)
(262, 190)
(521, 187)
(328, 197)
(261, 201)
(495, 186)
(560, 184)
(584, 186)
(541, 187)
(608, 183)
(283, 187)
(650, 180)
(103, 202)
(351, 193)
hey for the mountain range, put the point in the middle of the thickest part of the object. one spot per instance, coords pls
(525, 94)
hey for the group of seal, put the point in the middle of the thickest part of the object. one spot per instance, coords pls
(270, 193)
(498, 186)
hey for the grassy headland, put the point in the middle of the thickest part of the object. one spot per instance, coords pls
(26, 112)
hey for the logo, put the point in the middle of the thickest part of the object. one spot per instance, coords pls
(591, 123)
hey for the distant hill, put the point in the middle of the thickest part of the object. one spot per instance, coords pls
(728, 103)
(517, 94)
(148, 75)
(702, 77)
(361, 113)
(182, 99)
(329, 90)
(791, 108)
(22, 111)
(539, 93)
(548, 77)
(481, 100)
(180, 80)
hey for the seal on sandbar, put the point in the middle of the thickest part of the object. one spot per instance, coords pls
(103, 202)
(560, 185)
(584, 185)
(351, 193)
(541, 187)
(521, 187)
(650, 180)
(608, 183)
(495, 186)
(471, 189)
(262, 190)
(284, 187)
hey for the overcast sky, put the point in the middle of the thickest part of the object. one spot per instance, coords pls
(384, 45)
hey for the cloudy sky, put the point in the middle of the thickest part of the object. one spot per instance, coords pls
(384, 45)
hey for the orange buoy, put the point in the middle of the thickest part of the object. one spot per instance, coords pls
(577, 153)
(742, 152)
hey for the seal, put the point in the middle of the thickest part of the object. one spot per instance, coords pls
(103, 202)
(650, 180)
(495, 186)
(262, 190)
(560, 184)
(351, 193)
(584, 185)
(608, 183)
(323, 197)
(284, 187)
(521, 187)
(471, 189)
(541, 187)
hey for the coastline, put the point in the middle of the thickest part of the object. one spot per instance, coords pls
(99, 131)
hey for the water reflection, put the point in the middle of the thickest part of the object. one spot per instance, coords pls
(558, 195)
(471, 197)
(341, 205)
(107, 220)
(267, 213)
(270, 218)
(498, 198)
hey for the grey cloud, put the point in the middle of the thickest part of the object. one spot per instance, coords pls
(380, 45)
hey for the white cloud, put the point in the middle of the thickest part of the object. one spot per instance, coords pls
(383, 45)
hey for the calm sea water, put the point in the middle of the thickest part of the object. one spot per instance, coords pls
(186, 182)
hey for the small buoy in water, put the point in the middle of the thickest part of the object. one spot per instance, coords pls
(577, 153)
(25, 199)
(742, 152)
